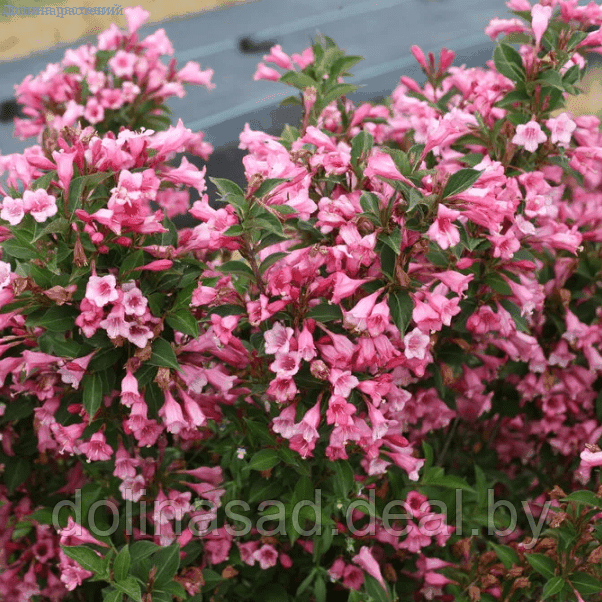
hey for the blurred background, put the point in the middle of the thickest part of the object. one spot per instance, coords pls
(231, 37)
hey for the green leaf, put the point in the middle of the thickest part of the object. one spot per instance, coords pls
(16, 472)
(237, 267)
(498, 284)
(361, 145)
(167, 562)
(111, 595)
(460, 181)
(131, 587)
(508, 62)
(299, 80)
(142, 549)
(44, 181)
(18, 250)
(264, 459)
(585, 584)
(121, 564)
(542, 564)
(551, 78)
(584, 497)
(392, 240)
(174, 589)
(370, 203)
(183, 321)
(58, 318)
(306, 582)
(576, 38)
(325, 312)
(92, 396)
(343, 64)
(87, 558)
(226, 187)
(164, 355)
(375, 590)
(448, 481)
(131, 262)
(553, 586)
(337, 91)
(57, 226)
(320, 589)
(270, 260)
(506, 554)
(267, 186)
(401, 307)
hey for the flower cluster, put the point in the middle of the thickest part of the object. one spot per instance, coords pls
(120, 82)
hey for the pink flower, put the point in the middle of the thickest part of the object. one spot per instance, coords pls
(279, 58)
(172, 415)
(135, 16)
(562, 128)
(366, 561)
(277, 340)
(40, 204)
(342, 381)
(529, 136)
(191, 73)
(13, 210)
(96, 449)
(442, 231)
(540, 17)
(134, 302)
(266, 556)
(305, 58)
(94, 111)
(102, 290)
(416, 344)
(284, 424)
(138, 334)
(265, 72)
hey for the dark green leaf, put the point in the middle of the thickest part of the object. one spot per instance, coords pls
(585, 584)
(56, 226)
(337, 91)
(325, 312)
(508, 62)
(401, 307)
(264, 459)
(226, 187)
(375, 590)
(542, 564)
(553, 586)
(551, 78)
(370, 203)
(44, 181)
(88, 559)
(361, 145)
(320, 589)
(584, 497)
(506, 554)
(267, 186)
(132, 261)
(183, 321)
(167, 562)
(392, 240)
(92, 396)
(16, 472)
(460, 181)
(142, 549)
(271, 260)
(298, 79)
(498, 284)
(121, 564)
(131, 587)
(164, 355)
(237, 267)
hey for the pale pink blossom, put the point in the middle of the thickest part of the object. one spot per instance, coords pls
(40, 204)
(561, 128)
(101, 290)
(13, 210)
(529, 136)
(442, 231)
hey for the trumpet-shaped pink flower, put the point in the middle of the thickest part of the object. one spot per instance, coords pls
(529, 136)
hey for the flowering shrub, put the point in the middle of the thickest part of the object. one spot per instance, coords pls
(343, 381)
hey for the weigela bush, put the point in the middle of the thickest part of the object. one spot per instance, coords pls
(319, 390)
